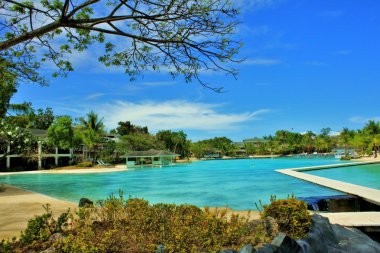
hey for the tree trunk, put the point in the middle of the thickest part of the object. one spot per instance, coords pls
(375, 149)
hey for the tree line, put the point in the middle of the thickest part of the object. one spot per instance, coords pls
(89, 132)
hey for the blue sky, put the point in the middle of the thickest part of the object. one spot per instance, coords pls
(310, 64)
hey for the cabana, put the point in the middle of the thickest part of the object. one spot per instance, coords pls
(150, 157)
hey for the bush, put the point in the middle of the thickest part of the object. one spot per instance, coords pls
(346, 158)
(85, 164)
(136, 226)
(290, 214)
(43, 226)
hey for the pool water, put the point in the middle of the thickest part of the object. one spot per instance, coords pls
(364, 175)
(238, 184)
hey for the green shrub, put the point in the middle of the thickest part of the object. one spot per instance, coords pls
(85, 164)
(346, 158)
(136, 226)
(41, 227)
(6, 247)
(290, 214)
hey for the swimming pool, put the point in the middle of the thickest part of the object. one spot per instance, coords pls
(238, 184)
(367, 175)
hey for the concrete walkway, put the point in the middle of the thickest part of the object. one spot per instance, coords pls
(369, 194)
(350, 219)
(354, 219)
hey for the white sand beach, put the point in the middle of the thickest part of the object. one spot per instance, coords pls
(18, 206)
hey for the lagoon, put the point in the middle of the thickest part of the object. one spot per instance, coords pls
(237, 184)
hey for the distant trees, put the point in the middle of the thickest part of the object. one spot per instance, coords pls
(61, 132)
(27, 117)
(127, 127)
(138, 142)
(175, 141)
(221, 145)
(372, 129)
(345, 138)
(91, 128)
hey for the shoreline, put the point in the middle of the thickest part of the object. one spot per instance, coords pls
(20, 205)
(70, 171)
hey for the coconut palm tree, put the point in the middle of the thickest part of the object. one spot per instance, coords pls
(91, 127)
(345, 138)
(372, 128)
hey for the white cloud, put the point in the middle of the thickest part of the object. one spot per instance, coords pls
(315, 63)
(175, 114)
(361, 119)
(245, 5)
(94, 96)
(159, 83)
(334, 133)
(261, 61)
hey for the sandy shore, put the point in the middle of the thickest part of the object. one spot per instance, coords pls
(18, 206)
(366, 159)
(117, 168)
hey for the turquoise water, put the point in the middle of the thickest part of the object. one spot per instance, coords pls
(365, 175)
(238, 184)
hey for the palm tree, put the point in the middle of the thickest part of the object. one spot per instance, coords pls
(345, 138)
(23, 109)
(372, 128)
(92, 127)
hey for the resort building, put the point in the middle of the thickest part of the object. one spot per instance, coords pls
(150, 157)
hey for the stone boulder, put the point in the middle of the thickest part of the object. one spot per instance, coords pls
(353, 240)
(56, 237)
(325, 237)
(85, 202)
(286, 244)
(248, 249)
(49, 250)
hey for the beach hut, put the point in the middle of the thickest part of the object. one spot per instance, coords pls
(150, 157)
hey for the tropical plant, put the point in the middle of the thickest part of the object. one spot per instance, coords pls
(61, 132)
(127, 127)
(372, 128)
(291, 215)
(345, 138)
(91, 129)
(19, 141)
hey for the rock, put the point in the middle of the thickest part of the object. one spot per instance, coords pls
(56, 237)
(269, 225)
(268, 248)
(248, 249)
(321, 237)
(85, 202)
(324, 237)
(286, 244)
(49, 250)
(353, 240)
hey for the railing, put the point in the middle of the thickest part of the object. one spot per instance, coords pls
(40, 155)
